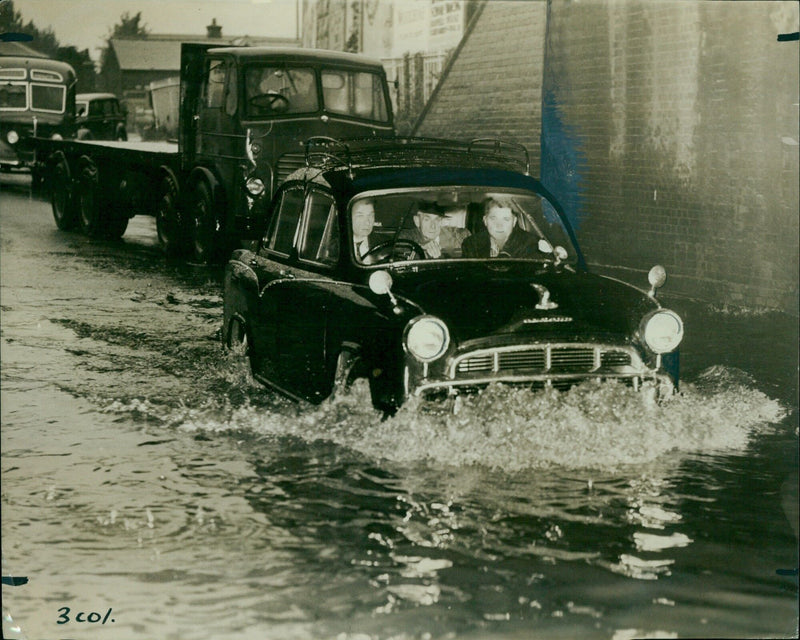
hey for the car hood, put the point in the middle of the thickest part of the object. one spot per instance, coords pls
(501, 300)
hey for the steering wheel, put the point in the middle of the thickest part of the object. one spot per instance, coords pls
(271, 100)
(385, 250)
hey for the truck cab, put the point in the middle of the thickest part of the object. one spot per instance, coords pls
(245, 114)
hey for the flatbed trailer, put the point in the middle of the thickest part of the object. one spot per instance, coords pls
(245, 114)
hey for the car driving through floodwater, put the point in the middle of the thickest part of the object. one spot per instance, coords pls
(433, 267)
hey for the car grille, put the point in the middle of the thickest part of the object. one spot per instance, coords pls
(289, 163)
(543, 359)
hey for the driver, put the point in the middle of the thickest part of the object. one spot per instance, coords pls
(429, 233)
(362, 218)
(502, 238)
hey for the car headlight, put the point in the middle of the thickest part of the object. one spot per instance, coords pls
(426, 338)
(255, 186)
(12, 137)
(662, 330)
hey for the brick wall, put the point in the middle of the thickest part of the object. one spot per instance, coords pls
(493, 86)
(669, 131)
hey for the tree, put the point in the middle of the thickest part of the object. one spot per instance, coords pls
(45, 42)
(11, 21)
(129, 26)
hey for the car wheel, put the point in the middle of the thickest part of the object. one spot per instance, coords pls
(171, 235)
(204, 228)
(346, 372)
(236, 337)
(62, 200)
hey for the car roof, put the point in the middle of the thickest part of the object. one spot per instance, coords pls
(362, 164)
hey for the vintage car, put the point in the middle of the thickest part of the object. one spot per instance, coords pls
(100, 116)
(315, 306)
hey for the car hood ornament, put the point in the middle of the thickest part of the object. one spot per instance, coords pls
(544, 297)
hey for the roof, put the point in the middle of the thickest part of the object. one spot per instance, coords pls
(163, 52)
(45, 64)
(13, 48)
(303, 54)
(86, 97)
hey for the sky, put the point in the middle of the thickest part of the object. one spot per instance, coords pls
(86, 23)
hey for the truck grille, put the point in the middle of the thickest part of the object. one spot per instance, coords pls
(542, 359)
(288, 163)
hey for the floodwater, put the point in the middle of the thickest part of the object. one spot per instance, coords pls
(151, 487)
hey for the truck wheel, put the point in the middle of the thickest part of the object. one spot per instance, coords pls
(90, 205)
(116, 223)
(171, 235)
(65, 213)
(204, 229)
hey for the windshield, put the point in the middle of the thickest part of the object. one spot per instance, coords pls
(280, 90)
(457, 223)
(48, 97)
(355, 93)
(13, 96)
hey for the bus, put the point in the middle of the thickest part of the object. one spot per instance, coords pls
(37, 99)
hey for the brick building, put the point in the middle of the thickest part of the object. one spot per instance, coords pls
(669, 130)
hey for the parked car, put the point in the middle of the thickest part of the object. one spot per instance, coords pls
(100, 116)
(316, 308)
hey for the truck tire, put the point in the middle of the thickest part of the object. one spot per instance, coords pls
(204, 229)
(171, 235)
(90, 202)
(116, 223)
(65, 211)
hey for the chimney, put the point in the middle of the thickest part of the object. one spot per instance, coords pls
(214, 30)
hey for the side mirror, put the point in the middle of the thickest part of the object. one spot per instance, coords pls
(657, 276)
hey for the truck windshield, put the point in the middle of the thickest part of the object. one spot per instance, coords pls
(355, 93)
(281, 90)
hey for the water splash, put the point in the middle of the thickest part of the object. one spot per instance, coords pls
(593, 425)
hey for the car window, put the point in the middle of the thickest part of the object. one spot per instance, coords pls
(283, 227)
(320, 233)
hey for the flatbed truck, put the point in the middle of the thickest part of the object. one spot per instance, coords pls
(244, 115)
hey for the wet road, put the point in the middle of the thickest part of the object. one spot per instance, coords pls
(144, 472)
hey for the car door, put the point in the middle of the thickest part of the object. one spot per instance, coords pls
(305, 296)
(271, 267)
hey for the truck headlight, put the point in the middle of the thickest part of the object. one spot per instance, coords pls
(426, 338)
(12, 137)
(255, 186)
(662, 330)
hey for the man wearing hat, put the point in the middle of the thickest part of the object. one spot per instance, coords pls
(437, 240)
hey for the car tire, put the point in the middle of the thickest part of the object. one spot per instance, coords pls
(345, 373)
(204, 229)
(62, 198)
(171, 234)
